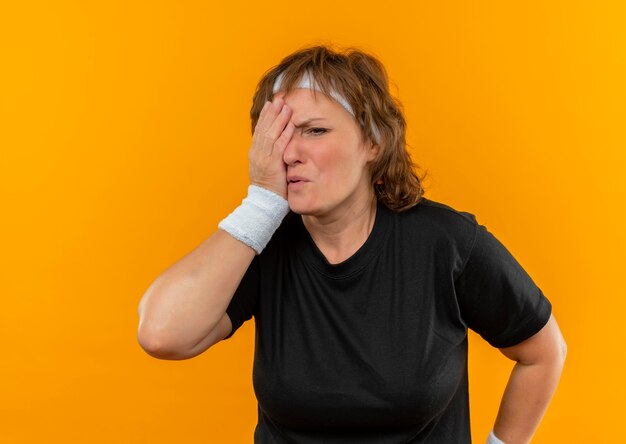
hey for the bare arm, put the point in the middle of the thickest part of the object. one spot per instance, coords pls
(183, 312)
(532, 383)
(187, 300)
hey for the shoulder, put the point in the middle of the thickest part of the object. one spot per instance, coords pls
(440, 218)
(438, 229)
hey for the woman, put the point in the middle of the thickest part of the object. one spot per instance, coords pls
(362, 289)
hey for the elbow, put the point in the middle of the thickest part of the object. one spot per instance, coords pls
(149, 337)
(558, 346)
(150, 343)
(556, 359)
(563, 350)
(157, 347)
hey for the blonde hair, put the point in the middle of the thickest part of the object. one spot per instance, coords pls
(362, 80)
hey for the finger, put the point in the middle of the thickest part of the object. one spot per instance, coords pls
(278, 103)
(262, 115)
(268, 115)
(271, 108)
(279, 123)
(286, 136)
(278, 148)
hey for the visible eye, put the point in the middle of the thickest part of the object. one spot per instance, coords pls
(317, 131)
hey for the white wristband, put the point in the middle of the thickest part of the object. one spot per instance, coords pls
(257, 218)
(493, 439)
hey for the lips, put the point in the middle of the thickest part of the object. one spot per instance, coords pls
(296, 179)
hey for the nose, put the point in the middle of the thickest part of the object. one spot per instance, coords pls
(293, 153)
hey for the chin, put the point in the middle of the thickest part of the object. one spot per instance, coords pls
(299, 207)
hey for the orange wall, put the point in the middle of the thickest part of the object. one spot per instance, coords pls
(123, 142)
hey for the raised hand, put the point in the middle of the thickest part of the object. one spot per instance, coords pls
(272, 133)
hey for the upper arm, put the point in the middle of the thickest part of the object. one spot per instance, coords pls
(546, 345)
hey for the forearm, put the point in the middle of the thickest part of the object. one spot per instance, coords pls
(526, 399)
(188, 299)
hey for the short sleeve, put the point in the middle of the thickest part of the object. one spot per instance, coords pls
(497, 298)
(243, 303)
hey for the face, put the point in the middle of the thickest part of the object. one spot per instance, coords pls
(326, 158)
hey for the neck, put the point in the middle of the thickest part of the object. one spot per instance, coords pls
(340, 235)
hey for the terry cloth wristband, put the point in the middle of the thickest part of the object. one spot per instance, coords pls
(493, 439)
(257, 218)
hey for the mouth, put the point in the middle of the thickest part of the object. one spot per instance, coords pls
(291, 180)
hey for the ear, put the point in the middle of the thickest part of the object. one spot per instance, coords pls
(373, 151)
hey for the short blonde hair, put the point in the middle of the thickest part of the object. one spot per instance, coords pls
(362, 80)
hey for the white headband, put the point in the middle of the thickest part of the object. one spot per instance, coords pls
(305, 82)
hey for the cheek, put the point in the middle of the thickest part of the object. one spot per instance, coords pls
(349, 164)
(334, 165)
(337, 163)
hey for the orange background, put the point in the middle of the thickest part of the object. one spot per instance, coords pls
(124, 138)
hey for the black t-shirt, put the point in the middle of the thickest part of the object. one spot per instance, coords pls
(374, 349)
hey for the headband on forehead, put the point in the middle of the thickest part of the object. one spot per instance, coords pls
(306, 83)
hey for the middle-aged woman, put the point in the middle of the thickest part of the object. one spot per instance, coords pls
(362, 289)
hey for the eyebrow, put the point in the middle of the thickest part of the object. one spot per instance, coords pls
(307, 121)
